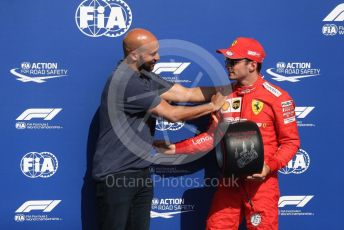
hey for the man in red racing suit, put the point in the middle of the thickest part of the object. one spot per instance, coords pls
(273, 110)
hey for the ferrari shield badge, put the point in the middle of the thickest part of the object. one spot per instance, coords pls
(257, 106)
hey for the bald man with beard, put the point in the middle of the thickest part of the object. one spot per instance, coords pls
(132, 99)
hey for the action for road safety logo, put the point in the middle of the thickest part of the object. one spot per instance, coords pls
(169, 207)
(38, 72)
(293, 71)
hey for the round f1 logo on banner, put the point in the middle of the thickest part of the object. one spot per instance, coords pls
(110, 18)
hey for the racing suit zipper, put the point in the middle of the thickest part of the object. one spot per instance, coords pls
(242, 106)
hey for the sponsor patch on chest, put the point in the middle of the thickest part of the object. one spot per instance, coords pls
(232, 105)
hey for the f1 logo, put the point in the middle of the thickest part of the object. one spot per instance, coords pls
(302, 112)
(48, 114)
(298, 201)
(337, 14)
(174, 67)
(44, 205)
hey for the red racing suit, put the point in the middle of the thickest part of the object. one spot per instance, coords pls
(273, 110)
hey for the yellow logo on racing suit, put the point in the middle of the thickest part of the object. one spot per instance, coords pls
(257, 106)
(225, 106)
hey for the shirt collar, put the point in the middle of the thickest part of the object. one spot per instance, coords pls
(125, 68)
(249, 89)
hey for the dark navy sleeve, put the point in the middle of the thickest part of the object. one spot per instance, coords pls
(143, 92)
(157, 82)
(140, 96)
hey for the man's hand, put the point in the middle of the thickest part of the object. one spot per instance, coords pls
(164, 147)
(218, 100)
(261, 176)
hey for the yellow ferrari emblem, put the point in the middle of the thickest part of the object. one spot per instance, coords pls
(257, 106)
(234, 43)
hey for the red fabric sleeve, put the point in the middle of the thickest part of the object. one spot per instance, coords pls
(203, 142)
(287, 134)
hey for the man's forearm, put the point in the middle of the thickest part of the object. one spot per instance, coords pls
(183, 113)
(179, 93)
(201, 94)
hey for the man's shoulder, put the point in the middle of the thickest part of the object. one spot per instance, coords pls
(125, 77)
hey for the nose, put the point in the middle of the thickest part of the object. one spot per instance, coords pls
(157, 57)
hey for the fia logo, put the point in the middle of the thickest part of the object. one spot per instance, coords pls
(329, 29)
(19, 218)
(43, 165)
(299, 164)
(110, 18)
(163, 125)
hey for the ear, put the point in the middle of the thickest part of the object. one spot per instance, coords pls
(133, 56)
(252, 66)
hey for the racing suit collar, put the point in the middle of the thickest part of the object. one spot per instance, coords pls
(249, 89)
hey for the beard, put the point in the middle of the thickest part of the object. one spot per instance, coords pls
(148, 66)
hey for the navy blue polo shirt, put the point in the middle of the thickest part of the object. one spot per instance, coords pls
(126, 129)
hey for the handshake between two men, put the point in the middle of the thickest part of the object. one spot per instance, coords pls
(227, 138)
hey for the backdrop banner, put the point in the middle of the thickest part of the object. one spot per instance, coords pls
(56, 56)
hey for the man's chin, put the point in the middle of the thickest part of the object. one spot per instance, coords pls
(147, 68)
(151, 67)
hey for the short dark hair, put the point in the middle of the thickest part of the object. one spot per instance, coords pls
(259, 67)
